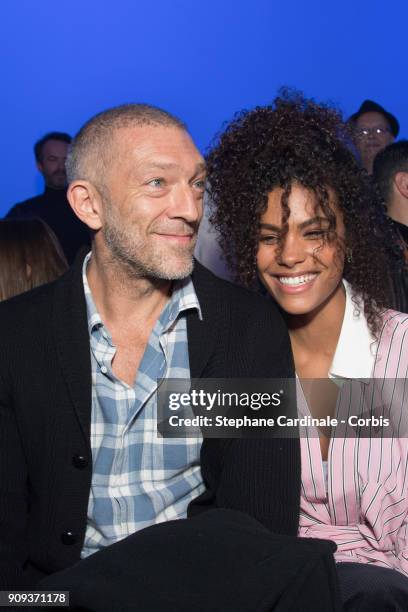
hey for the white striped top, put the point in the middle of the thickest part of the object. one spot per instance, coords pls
(365, 506)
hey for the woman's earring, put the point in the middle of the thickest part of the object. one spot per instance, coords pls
(349, 256)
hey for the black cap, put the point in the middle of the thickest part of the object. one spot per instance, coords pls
(368, 106)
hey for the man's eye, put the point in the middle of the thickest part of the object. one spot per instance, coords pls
(200, 184)
(157, 182)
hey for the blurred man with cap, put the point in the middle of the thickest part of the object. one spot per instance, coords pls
(375, 128)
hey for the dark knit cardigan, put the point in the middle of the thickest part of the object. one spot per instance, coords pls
(45, 414)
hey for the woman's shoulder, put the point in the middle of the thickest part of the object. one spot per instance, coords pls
(394, 321)
(392, 352)
(391, 362)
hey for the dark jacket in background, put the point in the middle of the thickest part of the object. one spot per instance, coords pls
(400, 273)
(45, 418)
(53, 207)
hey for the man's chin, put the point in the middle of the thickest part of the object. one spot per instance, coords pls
(57, 186)
(175, 271)
(175, 264)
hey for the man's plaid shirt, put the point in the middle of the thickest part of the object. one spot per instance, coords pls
(138, 479)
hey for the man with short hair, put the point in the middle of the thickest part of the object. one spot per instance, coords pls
(374, 129)
(50, 155)
(52, 205)
(390, 172)
(81, 465)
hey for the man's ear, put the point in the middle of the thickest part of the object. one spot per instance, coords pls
(86, 202)
(39, 167)
(401, 183)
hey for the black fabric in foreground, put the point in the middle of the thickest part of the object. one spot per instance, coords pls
(219, 561)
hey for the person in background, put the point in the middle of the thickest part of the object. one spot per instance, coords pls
(374, 129)
(52, 206)
(295, 212)
(207, 251)
(390, 172)
(30, 255)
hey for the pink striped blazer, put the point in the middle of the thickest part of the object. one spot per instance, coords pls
(365, 507)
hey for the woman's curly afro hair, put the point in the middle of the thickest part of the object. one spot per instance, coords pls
(298, 141)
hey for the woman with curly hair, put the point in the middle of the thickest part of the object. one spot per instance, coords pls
(295, 212)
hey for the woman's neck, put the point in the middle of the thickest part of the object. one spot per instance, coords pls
(314, 336)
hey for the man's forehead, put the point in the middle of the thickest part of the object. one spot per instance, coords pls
(157, 146)
(52, 145)
(371, 119)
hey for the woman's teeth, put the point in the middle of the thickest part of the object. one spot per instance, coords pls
(296, 280)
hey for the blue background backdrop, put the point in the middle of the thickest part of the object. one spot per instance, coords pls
(63, 61)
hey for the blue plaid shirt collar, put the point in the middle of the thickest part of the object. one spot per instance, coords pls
(183, 298)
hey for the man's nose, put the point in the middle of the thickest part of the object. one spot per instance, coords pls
(373, 136)
(187, 204)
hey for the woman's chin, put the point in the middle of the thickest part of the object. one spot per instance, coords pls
(294, 304)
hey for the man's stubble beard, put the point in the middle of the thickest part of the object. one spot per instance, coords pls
(56, 184)
(139, 259)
